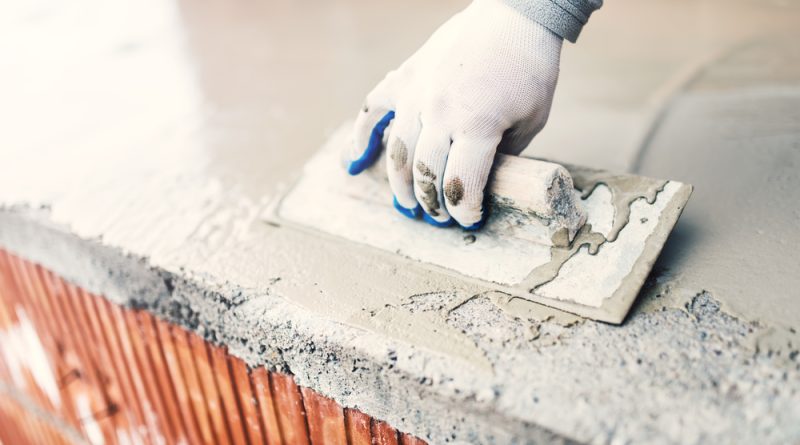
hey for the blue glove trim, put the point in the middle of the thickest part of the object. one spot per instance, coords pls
(411, 213)
(428, 219)
(475, 226)
(373, 147)
(484, 214)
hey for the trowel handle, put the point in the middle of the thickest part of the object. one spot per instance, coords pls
(536, 192)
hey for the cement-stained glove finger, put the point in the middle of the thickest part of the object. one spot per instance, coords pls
(401, 145)
(430, 159)
(465, 177)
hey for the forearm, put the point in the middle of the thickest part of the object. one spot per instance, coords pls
(565, 18)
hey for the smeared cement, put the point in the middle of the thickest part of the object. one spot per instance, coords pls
(624, 190)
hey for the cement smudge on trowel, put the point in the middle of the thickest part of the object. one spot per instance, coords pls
(624, 190)
(624, 254)
(587, 181)
(559, 255)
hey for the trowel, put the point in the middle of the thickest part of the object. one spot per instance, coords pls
(572, 238)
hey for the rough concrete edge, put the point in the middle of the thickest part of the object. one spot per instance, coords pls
(267, 330)
(34, 409)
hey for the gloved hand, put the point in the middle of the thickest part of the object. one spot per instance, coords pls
(484, 81)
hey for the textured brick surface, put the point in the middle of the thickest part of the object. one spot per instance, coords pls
(119, 375)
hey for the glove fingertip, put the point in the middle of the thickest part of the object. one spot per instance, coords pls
(410, 213)
(429, 219)
(475, 227)
(480, 223)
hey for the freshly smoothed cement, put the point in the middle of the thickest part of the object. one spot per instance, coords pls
(137, 157)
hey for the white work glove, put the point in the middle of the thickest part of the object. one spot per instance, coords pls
(487, 75)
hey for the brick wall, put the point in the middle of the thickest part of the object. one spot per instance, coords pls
(73, 365)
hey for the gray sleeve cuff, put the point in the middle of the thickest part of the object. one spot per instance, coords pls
(564, 17)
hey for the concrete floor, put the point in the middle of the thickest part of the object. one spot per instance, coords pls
(160, 132)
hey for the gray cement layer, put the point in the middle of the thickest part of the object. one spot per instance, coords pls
(136, 160)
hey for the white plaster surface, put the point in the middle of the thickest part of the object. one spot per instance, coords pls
(142, 142)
